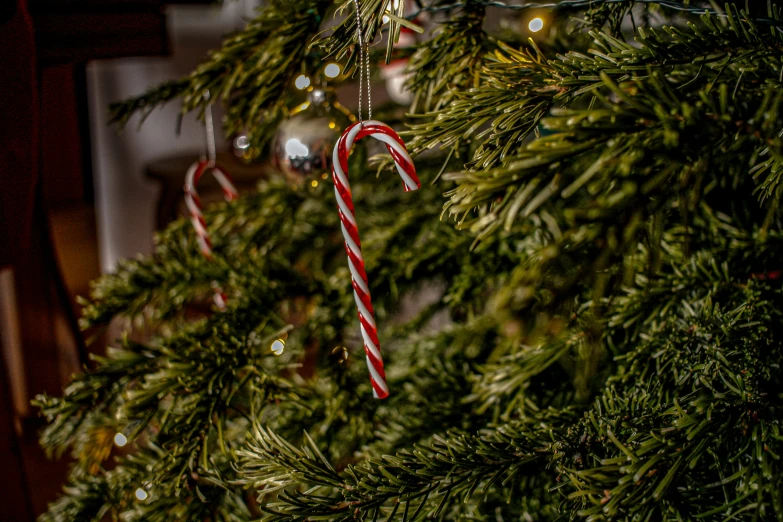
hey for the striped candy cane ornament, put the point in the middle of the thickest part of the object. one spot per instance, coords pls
(353, 246)
(193, 203)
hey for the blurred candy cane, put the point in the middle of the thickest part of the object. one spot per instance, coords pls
(193, 203)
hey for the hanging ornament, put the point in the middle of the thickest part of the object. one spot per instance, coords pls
(394, 72)
(395, 76)
(353, 246)
(193, 202)
(302, 148)
(342, 190)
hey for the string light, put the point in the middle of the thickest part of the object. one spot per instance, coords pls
(278, 346)
(302, 82)
(536, 24)
(332, 70)
(674, 5)
(120, 440)
(395, 4)
(141, 494)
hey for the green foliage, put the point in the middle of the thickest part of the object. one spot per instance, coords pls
(248, 73)
(595, 336)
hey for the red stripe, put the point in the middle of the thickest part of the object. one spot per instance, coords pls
(230, 193)
(380, 392)
(358, 263)
(409, 169)
(345, 193)
(369, 130)
(378, 365)
(365, 298)
(373, 333)
(352, 231)
(343, 151)
(202, 166)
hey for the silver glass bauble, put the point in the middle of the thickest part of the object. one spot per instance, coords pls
(302, 148)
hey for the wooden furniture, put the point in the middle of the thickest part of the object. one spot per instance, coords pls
(45, 166)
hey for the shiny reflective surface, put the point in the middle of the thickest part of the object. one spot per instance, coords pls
(302, 148)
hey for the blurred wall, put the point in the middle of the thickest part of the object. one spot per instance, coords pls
(125, 199)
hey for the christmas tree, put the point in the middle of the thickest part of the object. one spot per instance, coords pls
(578, 309)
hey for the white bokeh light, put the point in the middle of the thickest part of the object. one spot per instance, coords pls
(302, 82)
(120, 440)
(332, 70)
(141, 494)
(536, 24)
(278, 346)
(393, 6)
(295, 148)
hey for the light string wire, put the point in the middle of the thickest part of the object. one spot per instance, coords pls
(364, 65)
(669, 4)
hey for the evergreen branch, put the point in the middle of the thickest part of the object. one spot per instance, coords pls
(720, 393)
(424, 481)
(675, 5)
(461, 43)
(645, 226)
(248, 73)
(342, 43)
(679, 56)
(86, 498)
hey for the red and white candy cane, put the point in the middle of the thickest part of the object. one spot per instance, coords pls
(193, 203)
(353, 246)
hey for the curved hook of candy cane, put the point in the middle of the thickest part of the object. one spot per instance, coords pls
(193, 203)
(353, 246)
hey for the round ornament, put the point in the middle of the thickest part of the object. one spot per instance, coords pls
(302, 148)
(396, 76)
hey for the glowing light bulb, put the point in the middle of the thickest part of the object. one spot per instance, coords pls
(332, 70)
(302, 82)
(141, 494)
(536, 24)
(278, 346)
(393, 6)
(295, 148)
(120, 440)
(314, 183)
